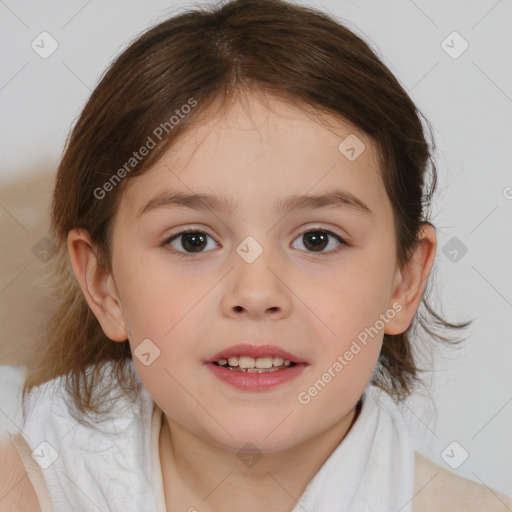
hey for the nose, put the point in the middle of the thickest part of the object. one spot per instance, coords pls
(256, 290)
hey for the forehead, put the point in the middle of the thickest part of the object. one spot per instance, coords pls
(262, 151)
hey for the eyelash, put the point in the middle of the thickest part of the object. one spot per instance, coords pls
(180, 254)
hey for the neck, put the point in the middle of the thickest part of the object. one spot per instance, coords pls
(199, 475)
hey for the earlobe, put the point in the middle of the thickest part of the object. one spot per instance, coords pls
(96, 284)
(410, 281)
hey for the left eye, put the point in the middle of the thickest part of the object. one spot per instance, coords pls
(318, 239)
(193, 241)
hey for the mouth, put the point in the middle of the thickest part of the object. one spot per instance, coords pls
(255, 367)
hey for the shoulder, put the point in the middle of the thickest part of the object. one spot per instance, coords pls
(437, 489)
(16, 489)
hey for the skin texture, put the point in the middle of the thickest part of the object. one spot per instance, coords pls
(16, 490)
(312, 302)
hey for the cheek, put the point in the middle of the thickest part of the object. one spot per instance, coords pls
(351, 300)
(170, 314)
(350, 334)
(152, 297)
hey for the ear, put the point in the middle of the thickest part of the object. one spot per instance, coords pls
(97, 285)
(409, 282)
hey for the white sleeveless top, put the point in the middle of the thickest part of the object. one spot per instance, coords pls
(115, 465)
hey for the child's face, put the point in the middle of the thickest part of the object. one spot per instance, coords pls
(298, 294)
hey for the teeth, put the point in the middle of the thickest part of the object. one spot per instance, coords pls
(245, 362)
(250, 363)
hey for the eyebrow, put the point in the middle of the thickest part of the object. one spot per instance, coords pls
(333, 199)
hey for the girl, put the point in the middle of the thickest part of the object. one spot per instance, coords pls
(243, 203)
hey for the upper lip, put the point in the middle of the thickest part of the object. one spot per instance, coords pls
(255, 351)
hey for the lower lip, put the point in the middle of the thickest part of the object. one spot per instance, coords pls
(253, 381)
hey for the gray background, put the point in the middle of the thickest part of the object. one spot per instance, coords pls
(468, 100)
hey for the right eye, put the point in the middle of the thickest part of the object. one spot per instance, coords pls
(191, 240)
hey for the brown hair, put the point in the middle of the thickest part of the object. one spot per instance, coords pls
(211, 55)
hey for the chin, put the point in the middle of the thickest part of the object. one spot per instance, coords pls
(257, 440)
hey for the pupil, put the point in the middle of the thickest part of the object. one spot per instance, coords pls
(193, 241)
(315, 236)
